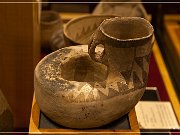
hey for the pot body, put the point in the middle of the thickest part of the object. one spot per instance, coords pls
(76, 97)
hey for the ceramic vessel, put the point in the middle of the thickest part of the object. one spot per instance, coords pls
(78, 31)
(123, 8)
(79, 87)
(51, 30)
(6, 116)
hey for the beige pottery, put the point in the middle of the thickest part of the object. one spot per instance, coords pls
(51, 31)
(75, 91)
(79, 30)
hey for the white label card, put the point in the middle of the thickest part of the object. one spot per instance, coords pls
(156, 115)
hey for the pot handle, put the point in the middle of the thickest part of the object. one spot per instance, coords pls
(91, 50)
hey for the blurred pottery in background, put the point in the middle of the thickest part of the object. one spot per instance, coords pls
(79, 30)
(124, 8)
(6, 116)
(51, 31)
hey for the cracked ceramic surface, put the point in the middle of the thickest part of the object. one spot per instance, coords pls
(86, 87)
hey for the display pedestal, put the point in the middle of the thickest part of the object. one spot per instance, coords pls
(39, 123)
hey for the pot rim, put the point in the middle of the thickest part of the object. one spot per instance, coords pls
(149, 27)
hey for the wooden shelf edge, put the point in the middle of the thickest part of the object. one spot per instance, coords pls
(172, 17)
(167, 81)
(133, 121)
(170, 28)
(69, 16)
(34, 118)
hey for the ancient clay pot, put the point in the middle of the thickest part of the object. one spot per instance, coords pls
(79, 30)
(123, 8)
(6, 116)
(51, 31)
(75, 91)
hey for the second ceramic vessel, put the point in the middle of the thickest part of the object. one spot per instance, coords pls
(51, 31)
(79, 30)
